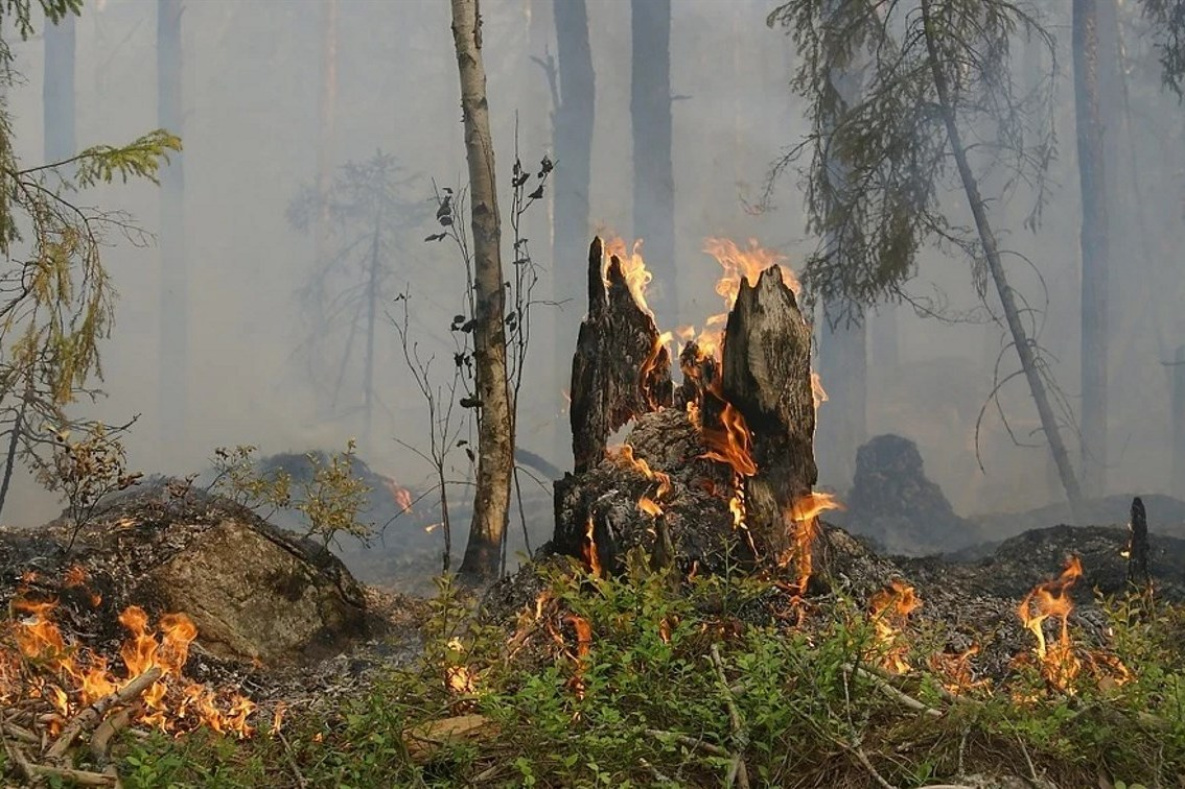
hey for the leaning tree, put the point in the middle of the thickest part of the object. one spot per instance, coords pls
(939, 108)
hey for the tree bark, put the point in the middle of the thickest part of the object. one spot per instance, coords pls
(495, 463)
(991, 251)
(766, 376)
(573, 156)
(58, 91)
(174, 296)
(654, 179)
(1094, 243)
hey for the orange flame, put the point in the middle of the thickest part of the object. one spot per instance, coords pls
(1059, 665)
(637, 277)
(731, 443)
(803, 523)
(890, 608)
(78, 677)
(592, 559)
(818, 393)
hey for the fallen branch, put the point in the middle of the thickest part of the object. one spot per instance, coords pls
(104, 733)
(690, 742)
(91, 716)
(738, 773)
(892, 692)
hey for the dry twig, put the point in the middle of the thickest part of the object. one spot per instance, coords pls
(892, 692)
(91, 716)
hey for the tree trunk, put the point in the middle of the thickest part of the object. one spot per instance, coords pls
(1024, 346)
(58, 91)
(1094, 243)
(174, 297)
(1178, 402)
(372, 309)
(654, 180)
(495, 464)
(573, 155)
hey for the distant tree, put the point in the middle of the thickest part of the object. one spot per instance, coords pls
(56, 299)
(574, 116)
(495, 461)
(369, 219)
(651, 129)
(1088, 113)
(174, 288)
(937, 71)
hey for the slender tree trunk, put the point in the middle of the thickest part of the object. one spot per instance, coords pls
(1094, 243)
(573, 174)
(174, 296)
(326, 116)
(495, 464)
(1178, 401)
(372, 308)
(654, 179)
(58, 91)
(1024, 345)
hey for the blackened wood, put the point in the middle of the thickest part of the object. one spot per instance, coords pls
(620, 371)
(1137, 552)
(766, 376)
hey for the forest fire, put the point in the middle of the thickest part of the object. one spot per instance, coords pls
(802, 523)
(889, 609)
(73, 678)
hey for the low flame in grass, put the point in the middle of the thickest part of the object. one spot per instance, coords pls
(633, 267)
(459, 678)
(73, 677)
(1058, 662)
(890, 608)
(802, 522)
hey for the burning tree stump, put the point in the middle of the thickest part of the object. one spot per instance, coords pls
(721, 477)
(621, 369)
(766, 376)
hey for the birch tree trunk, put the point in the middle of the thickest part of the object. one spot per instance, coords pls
(495, 463)
(1094, 243)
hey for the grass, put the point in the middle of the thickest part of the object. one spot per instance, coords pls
(613, 683)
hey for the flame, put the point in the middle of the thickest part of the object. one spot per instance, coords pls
(656, 354)
(459, 678)
(802, 521)
(649, 506)
(731, 443)
(889, 609)
(588, 550)
(400, 494)
(72, 677)
(1059, 665)
(956, 671)
(637, 277)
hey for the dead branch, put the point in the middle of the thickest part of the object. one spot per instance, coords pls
(894, 693)
(690, 742)
(90, 716)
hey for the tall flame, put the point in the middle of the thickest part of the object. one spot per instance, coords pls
(1058, 662)
(637, 276)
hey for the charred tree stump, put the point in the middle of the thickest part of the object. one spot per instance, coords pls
(766, 376)
(621, 370)
(1137, 551)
